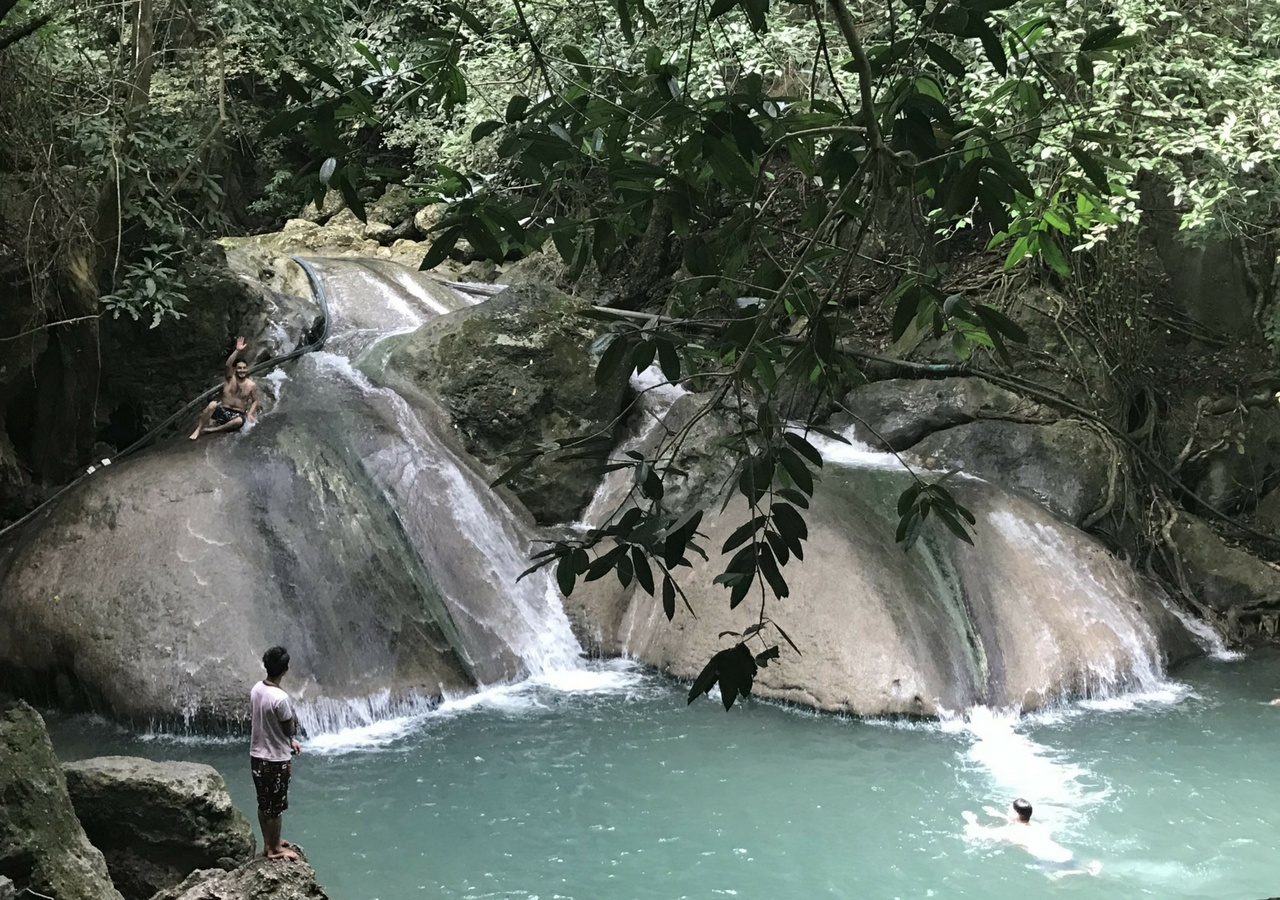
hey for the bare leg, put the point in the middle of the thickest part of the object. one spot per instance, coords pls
(232, 425)
(203, 422)
(273, 846)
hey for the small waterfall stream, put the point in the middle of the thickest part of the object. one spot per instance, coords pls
(467, 538)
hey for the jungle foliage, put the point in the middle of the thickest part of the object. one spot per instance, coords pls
(740, 178)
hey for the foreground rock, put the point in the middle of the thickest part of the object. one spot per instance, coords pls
(42, 846)
(262, 879)
(156, 822)
(515, 371)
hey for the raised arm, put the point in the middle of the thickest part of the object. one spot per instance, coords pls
(229, 369)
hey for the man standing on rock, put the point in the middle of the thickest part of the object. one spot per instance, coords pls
(239, 399)
(271, 749)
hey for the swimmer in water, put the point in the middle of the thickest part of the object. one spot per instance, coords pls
(1017, 829)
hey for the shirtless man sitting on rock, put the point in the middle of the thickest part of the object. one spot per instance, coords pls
(239, 399)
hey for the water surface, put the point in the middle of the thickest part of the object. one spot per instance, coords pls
(614, 789)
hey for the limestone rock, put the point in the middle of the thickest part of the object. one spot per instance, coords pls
(272, 536)
(1065, 465)
(42, 845)
(156, 822)
(261, 879)
(899, 412)
(513, 371)
(1034, 612)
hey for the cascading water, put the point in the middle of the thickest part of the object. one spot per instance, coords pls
(472, 544)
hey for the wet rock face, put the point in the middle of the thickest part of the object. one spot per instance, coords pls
(152, 589)
(511, 372)
(261, 879)
(42, 846)
(1034, 612)
(156, 822)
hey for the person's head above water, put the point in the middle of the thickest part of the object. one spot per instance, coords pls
(1020, 806)
(276, 662)
(242, 370)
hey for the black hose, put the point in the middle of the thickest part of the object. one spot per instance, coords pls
(322, 297)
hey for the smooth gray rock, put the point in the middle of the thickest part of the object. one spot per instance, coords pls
(1065, 465)
(261, 879)
(42, 846)
(157, 822)
(152, 589)
(1035, 612)
(899, 412)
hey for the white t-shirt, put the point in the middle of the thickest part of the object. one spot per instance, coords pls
(270, 708)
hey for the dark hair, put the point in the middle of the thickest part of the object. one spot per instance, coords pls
(276, 662)
(1020, 806)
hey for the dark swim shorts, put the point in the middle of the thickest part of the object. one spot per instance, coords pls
(224, 414)
(271, 781)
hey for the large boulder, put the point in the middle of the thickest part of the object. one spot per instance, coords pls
(511, 372)
(1035, 612)
(42, 846)
(151, 590)
(157, 822)
(261, 879)
(900, 412)
(1067, 466)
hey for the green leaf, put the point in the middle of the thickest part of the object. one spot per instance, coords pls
(944, 60)
(668, 597)
(699, 258)
(1084, 68)
(566, 575)
(441, 247)
(991, 44)
(575, 56)
(516, 108)
(790, 524)
(769, 568)
(742, 533)
(669, 360)
(1100, 38)
(484, 129)
(610, 360)
(1093, 169)
(644, 574)
(1052, 254)
(797, 469)
(905, 314)
(804, 448)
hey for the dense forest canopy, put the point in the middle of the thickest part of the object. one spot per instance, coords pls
(759, 179)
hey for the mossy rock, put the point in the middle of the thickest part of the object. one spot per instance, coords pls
(512, 372)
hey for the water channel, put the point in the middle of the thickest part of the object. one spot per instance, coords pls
(602, 784)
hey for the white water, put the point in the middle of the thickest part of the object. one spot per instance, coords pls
(471, 543)
(656, 396)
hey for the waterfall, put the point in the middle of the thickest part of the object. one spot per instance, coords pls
(472, 544)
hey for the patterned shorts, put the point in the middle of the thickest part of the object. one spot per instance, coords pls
(271, 781)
